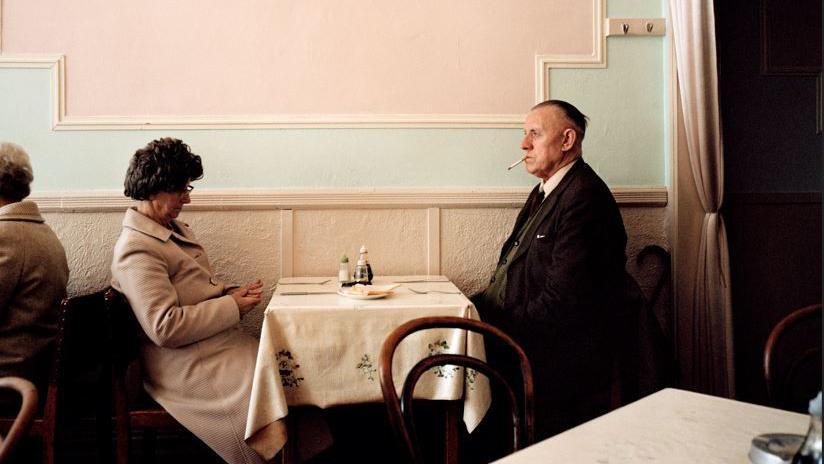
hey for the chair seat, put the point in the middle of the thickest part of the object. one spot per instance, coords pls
(145, 412)
(153, 418)
(144, 401)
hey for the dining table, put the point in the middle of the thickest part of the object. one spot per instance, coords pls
(669, 426)
(319, 346)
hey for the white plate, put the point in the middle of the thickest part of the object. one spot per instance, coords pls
(355, 296)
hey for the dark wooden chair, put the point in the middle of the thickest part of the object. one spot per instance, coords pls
(77, 392)
(792, 359)
(23, 419)
(133, 409)
(399, 410)
(42, 426)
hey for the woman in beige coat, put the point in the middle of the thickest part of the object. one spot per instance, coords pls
(33, 275)
(198, 364)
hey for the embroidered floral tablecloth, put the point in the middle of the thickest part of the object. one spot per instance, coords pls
(319, 348)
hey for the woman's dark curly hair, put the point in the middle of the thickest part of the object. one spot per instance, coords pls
(163, 165)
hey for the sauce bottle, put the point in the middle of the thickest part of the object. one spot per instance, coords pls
(361, 273)
(364, 256)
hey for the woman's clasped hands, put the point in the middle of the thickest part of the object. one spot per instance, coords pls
(247, 296)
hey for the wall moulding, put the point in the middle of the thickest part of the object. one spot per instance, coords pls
(57, 65)
(61, 120)
(596, 59)
(219, 200)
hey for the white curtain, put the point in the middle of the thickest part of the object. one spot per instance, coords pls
(693, 24)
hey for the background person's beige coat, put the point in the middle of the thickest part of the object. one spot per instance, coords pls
(33, 275)
(197, 363)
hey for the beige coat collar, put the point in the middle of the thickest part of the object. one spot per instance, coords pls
(136, 221)
(21, 211)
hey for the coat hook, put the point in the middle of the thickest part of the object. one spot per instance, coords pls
(625, 28)
(649, 27)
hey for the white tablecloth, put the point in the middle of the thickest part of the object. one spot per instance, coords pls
(322, 349)
(670, 426)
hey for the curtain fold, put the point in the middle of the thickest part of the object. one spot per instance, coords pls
(693, 25)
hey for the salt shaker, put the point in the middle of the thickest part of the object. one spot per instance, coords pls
(343, 271)
(810, 451)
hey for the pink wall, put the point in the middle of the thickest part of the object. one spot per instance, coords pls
(213, 57)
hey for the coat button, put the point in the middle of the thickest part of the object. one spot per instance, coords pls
(492, 281)
(516, 243)
(212, 281)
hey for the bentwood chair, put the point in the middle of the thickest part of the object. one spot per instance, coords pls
(521, 404)
(792, 359)
(24, 416)
(133, 409)
(41, 426)
(77, 392)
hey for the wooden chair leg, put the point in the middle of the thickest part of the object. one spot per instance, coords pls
(103, 437)
(149, 446)
(121, 442)
(122, 426)
(48, 441)
(451, 436)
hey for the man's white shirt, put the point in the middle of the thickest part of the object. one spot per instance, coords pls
(549, 185)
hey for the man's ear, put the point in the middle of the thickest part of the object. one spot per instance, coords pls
(570, 137)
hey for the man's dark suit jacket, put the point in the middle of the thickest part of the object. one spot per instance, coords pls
(566, 286)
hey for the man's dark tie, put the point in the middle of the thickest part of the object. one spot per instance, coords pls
(535, 202)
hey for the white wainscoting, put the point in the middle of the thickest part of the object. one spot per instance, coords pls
(244, 244)
(271, 234)
(373, 198)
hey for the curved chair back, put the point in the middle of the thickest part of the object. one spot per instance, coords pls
(28, 408)
(792, 359)
(76, 380)
(400, 409)
(82, 371)
(124, 330)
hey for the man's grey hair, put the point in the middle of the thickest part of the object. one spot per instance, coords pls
(573, 115)
(15, 172)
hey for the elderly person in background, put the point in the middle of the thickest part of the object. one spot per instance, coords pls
(33, 275)
(197, 362)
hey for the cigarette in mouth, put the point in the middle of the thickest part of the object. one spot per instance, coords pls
(516, 163)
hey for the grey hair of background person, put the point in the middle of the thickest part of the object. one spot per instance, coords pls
(15, 172)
